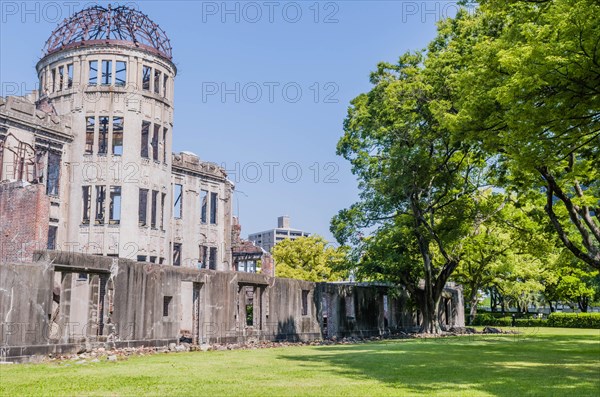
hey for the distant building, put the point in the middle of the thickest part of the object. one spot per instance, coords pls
(247, 256)
(269, 238)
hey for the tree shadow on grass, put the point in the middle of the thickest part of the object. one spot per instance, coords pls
(498, 365)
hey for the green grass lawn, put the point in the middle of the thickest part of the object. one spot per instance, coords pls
(543, 361)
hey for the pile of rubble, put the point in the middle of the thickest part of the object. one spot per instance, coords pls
(113, 355)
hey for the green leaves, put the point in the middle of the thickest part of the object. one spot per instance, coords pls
(309, 258)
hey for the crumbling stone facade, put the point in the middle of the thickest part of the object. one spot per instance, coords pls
(65, 302)
(24, 210)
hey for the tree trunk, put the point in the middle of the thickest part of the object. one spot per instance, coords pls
(583, 304)
(551, 307)
(473, 311)
(429, 305)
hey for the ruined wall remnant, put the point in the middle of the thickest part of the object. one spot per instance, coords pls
(24, 210)
(65, 301)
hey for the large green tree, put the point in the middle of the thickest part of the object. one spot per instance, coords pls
(420, 187)
(528, 74)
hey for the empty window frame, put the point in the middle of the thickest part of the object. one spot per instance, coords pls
(52, 230)
(176, 254)
(61, 78)
(114, 212)
(162, 211)
(153, 259)
(121, 74)
(43, 87)
(145, 132)
(100, 199)
(305, 302)
(143, 207)
(53, 79)
(154, 208)
(70, 75)
(165, 81)
(103, 135)
(141, 258)
(157, 81)
(53, 174)
(213, 208)
(203, 256)
(106, 73)
(212, 260)
(155, 135)
(87, 203)
(93, 73)
(90, 125)
(203, 205)
(117, 136)
(177, 201)
(166, 305)
(164, 143)
(146, 70)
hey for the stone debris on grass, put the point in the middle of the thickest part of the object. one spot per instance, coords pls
(87, 355)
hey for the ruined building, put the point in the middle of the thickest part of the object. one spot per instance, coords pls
(98, 135)
(107, 238)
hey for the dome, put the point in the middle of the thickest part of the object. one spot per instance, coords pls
(120, 25)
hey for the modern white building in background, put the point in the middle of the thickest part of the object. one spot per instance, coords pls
(267, 239)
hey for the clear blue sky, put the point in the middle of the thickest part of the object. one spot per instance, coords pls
(270, 49)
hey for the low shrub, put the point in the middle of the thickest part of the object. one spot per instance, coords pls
(491, 319)
(574, 320)
(531, 322)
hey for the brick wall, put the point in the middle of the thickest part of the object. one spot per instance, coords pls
(24, 213)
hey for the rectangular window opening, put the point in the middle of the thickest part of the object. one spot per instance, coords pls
(90, 125)
(162, 211)
(213, 208)
(70, 75)
(106, 72)
(146, 70)
(165, 81)
(53, 174)
(87, 201)
(103, 135)
(164, 142)
(155, 142)
(177, 254)
(203, 205)
(212, 260)
(154, 207)
(53, 78)
(115, 205)
(61, 78)
(121, 74)
(157, 81)
(202, 257)
(177, 201)
(93, 75)
(141, 258)
(143, 207)
(52, 230)
(100, 198)
(166, 305)
(117, 137)
(145, 132)
(305, 302)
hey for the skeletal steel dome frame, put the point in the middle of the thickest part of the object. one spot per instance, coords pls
(120, 25)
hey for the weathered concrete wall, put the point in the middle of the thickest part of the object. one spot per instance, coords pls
(24, 210)
(66, 301)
